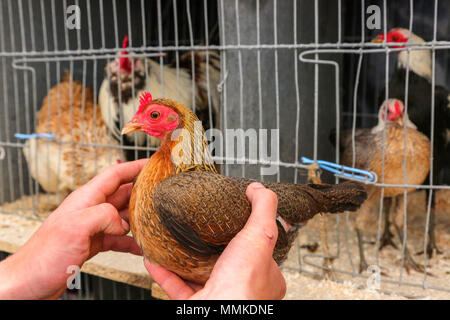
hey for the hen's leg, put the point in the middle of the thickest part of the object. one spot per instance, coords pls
(361, 223)
(362, 259)
(398, 224)
(328, 260)
(386, 238)
(431, 245)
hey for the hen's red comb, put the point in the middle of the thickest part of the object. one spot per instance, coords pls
(144, 100)
(125, 62)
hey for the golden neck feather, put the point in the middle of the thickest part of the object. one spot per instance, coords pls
(186, 147)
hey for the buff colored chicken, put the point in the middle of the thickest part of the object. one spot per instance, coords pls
(70, 160)
(368, 155)
(420, 93)
(183, 213)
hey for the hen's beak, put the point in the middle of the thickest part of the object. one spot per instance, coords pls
(378, 39)
(131, 127)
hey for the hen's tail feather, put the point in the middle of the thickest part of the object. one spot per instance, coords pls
(332, 137)
(299, 203)
(347, 196)
(344, 138)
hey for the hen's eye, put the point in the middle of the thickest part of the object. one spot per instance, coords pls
(155, 115)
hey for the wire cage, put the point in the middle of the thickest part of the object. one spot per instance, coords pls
(299, 68)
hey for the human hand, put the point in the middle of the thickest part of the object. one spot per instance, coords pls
(238, 274)
(90, 220)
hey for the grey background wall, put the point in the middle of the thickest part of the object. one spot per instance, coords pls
(287, 88)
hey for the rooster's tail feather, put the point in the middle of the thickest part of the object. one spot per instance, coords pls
(200, 64)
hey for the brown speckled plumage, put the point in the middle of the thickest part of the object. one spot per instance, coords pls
(182, 216)
(69, 112)
(368, 150)
(384, 150)
(224, 207)
(369, 156)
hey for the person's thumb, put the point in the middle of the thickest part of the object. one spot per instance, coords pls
(261, 228)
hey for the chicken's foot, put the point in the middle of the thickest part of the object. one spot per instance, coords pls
(410, 263)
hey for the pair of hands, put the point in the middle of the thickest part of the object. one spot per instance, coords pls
(94, 218)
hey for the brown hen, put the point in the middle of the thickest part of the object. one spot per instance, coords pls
(368, 155)
(183, 213)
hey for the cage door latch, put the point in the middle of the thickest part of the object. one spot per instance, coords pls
(344, 171)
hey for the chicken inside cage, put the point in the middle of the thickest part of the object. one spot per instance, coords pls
(69, 113)
(158, 115)
(192, 79)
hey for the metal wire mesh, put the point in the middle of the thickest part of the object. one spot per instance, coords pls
(301, 67)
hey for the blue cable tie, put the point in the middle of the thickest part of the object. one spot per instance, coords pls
(343, 171)
(25, 136)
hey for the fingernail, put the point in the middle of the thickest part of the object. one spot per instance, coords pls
(257, 185)
(125, 225)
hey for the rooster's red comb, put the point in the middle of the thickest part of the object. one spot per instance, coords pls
(144, 100)
(125, 62)
(125, 42)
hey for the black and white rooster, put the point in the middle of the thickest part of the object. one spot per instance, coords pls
(419, 106)
(126, 78)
